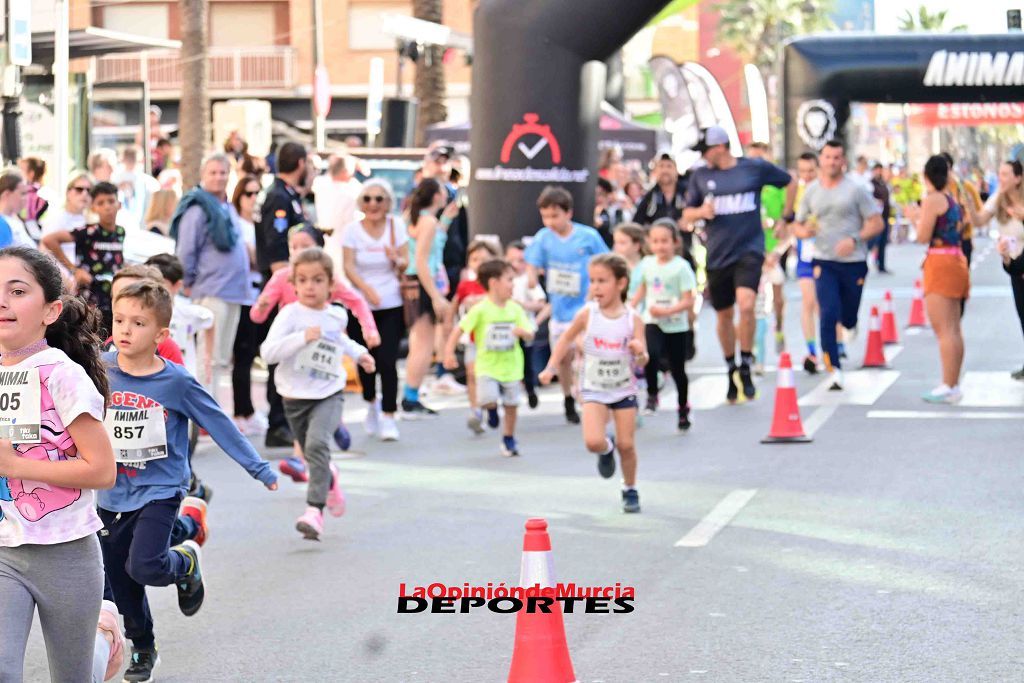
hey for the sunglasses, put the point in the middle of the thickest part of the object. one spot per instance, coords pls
(77, 188)
(380, 199)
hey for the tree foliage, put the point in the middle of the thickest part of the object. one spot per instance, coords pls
(926, 21)
(756, 29)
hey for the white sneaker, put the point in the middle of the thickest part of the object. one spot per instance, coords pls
(447, 384)
(260, 421)
(388, 429)
(247, 426)
(372, 422)
(944, 394)
(835, 380)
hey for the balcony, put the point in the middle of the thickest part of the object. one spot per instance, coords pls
(228, 69)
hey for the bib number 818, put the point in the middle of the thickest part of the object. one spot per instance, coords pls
(10, 401)
(128, 432)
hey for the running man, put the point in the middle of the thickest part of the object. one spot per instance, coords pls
(806, 173)
(841, 215)
(562, 250)
(726, 194)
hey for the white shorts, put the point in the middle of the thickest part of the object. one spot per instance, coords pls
(469, 353)
(776, 275)
(490, 391)
(555, 330)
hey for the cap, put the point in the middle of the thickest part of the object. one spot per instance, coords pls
(442, 150)
(711, 137)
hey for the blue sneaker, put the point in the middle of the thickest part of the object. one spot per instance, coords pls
(492, 418)
(342, 438)
(509, 447)
(606, 461)
(630, 500)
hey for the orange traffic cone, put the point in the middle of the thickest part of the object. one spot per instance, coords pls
(917, 318)
(541, 654)
(786, 424)
(874, 357)
(889, 334)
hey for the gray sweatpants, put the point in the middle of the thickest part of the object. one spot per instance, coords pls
(313, 422)
(65, 583)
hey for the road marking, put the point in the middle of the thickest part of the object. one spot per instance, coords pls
(716, 520)
(818, 418)
(943, 415)
(860, 388)
(991, 390)
(913, 331)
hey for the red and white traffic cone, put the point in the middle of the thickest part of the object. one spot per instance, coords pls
(541, 654)
(874, 356)
(889, 333)
(917, 318)
(786, 424)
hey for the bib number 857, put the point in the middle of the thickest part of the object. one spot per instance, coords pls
(10, 401)
(128, 432)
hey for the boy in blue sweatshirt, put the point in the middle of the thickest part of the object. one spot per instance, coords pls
(144, 540)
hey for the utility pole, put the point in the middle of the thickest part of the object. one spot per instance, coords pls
(60, 93)
(319, 115)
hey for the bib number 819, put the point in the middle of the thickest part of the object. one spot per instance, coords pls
(128, 432)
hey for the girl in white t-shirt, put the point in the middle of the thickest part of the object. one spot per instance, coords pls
(375, 250)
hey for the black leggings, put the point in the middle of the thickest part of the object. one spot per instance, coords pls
(390, 326)
(247, 347)
(1017, 283)
(674, 347)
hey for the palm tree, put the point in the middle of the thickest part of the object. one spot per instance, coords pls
(755, 29)
(926, 21)
(194, 113)
(430, 83)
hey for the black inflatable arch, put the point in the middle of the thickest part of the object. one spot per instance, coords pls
(822, 75)
(538, 83)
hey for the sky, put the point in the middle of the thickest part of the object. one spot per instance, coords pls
(980, 16)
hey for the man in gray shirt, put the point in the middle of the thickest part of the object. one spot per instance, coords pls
(841, 216)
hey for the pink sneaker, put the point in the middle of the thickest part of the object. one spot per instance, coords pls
(110, 628)
(311, 524)
(335, 498)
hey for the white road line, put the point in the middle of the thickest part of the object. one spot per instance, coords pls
(716, 520)
(818, 418)
(943, 415)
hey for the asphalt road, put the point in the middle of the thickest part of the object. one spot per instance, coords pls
(889, 549)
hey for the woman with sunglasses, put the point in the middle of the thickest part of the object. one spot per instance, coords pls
(375, 251)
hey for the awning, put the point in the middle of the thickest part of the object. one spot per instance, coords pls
(94, 42)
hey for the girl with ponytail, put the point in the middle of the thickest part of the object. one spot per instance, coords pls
(54, 452)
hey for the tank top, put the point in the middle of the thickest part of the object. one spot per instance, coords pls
(949, 226)
(607, 369)
(435, 260)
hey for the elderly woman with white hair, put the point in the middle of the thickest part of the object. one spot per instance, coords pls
(215, 259)
(376, 252)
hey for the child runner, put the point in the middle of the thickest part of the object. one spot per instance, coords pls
(613, 342)
(470, 292)
(562, 249)
(151, 537)
(628, 242)
(55, 451)
(535, 302)
(168, 348)
(665, 284)
(99, 249)
(496, 325)
(188, 319)
(307, 339)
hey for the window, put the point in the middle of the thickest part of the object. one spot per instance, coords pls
(365, 23)
(241, 25)
(142, 20)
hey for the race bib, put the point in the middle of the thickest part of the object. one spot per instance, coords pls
(321, 359)
(20, 405)
(674, 319)
(500, 337)
(137, 435)
(564, 282)
(606, 374)
(807, 250)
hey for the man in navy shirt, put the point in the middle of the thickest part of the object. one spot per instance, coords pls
(726, 194)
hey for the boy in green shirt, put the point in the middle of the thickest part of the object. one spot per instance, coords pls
(497, 324)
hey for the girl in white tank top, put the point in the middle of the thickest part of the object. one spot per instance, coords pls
(613, 342)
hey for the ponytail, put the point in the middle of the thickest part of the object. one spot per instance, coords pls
(77, 333)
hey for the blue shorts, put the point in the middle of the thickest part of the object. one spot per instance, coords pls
(624, 404)
(804, 269)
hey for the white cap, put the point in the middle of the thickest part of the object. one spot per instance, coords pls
(712, 136)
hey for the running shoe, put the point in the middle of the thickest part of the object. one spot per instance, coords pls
(296, 469)
(195, 509)
(651, 407)
(606, 461)
(246, 426)
(732, 394)
(571, 416)
(190, 587)
(279, 437)
(335, 496)
(414, 410)
(811, 364)
(493, 419)
(388, 429)
(371, 425)
(509, 447)
(749, 390)
(200, 489)
(342, 437)
(630, 500)
(141, 666)
(110, 629)
(944, 394)
(475, 421)
(684, 424)
(260, 421)
(310, 524)
(532, 400)
(1019, 374)
(447, 385)
(835, 380)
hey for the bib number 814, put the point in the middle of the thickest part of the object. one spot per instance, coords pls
(128, 432)
(10, 401)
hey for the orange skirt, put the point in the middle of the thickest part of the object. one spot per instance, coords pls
(947, 275)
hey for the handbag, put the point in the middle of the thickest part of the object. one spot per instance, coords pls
(409, 285)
